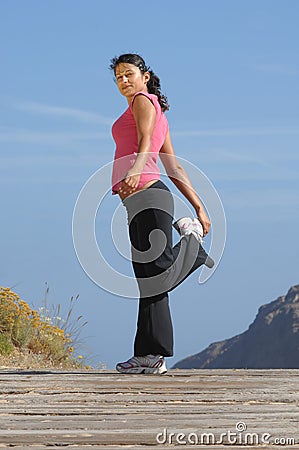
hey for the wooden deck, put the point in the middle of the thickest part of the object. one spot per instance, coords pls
(104, 409)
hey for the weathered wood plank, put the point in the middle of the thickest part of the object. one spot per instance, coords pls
(103, 409)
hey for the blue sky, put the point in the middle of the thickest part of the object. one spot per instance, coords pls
(230, 70)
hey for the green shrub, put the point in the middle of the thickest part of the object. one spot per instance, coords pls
(6, 347)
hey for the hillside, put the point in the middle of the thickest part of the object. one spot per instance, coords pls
(271, 341)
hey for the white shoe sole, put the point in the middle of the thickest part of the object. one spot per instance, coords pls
(145, 370)
(196, 226)
(176, 225)
(198, 236)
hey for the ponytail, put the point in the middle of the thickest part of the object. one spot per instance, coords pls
(154, 87)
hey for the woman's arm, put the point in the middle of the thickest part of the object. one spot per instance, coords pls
(145, 116)
(179, 177)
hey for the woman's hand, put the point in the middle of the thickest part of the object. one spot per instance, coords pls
(130, 183)
(204, 220)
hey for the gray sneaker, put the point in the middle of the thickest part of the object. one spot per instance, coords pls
(154, 364)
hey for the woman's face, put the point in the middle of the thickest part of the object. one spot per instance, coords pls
(130, 79)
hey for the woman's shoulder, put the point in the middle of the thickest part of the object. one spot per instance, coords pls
(152, 97)
(147, 94)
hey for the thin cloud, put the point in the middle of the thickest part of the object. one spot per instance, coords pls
(72, 159)
(40, 137)
(241, 157)
(236, 132)
(227, 156)
(274, 197)
(274, 175)
(61, 111)
(280, 69)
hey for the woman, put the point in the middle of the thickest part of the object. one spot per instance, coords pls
(141, 134)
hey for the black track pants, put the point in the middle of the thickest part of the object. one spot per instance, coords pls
(158, 266)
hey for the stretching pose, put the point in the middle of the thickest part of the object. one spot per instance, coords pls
(141, 135)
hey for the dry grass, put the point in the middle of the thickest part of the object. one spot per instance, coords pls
(36, 338)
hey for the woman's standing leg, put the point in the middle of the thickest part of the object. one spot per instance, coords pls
(154, 325)
(154, 333)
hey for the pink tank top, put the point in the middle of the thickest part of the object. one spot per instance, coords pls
(124, 132)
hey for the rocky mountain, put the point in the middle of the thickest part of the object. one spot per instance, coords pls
(271, 341)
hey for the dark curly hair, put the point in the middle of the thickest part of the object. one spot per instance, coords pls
(153, 85)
